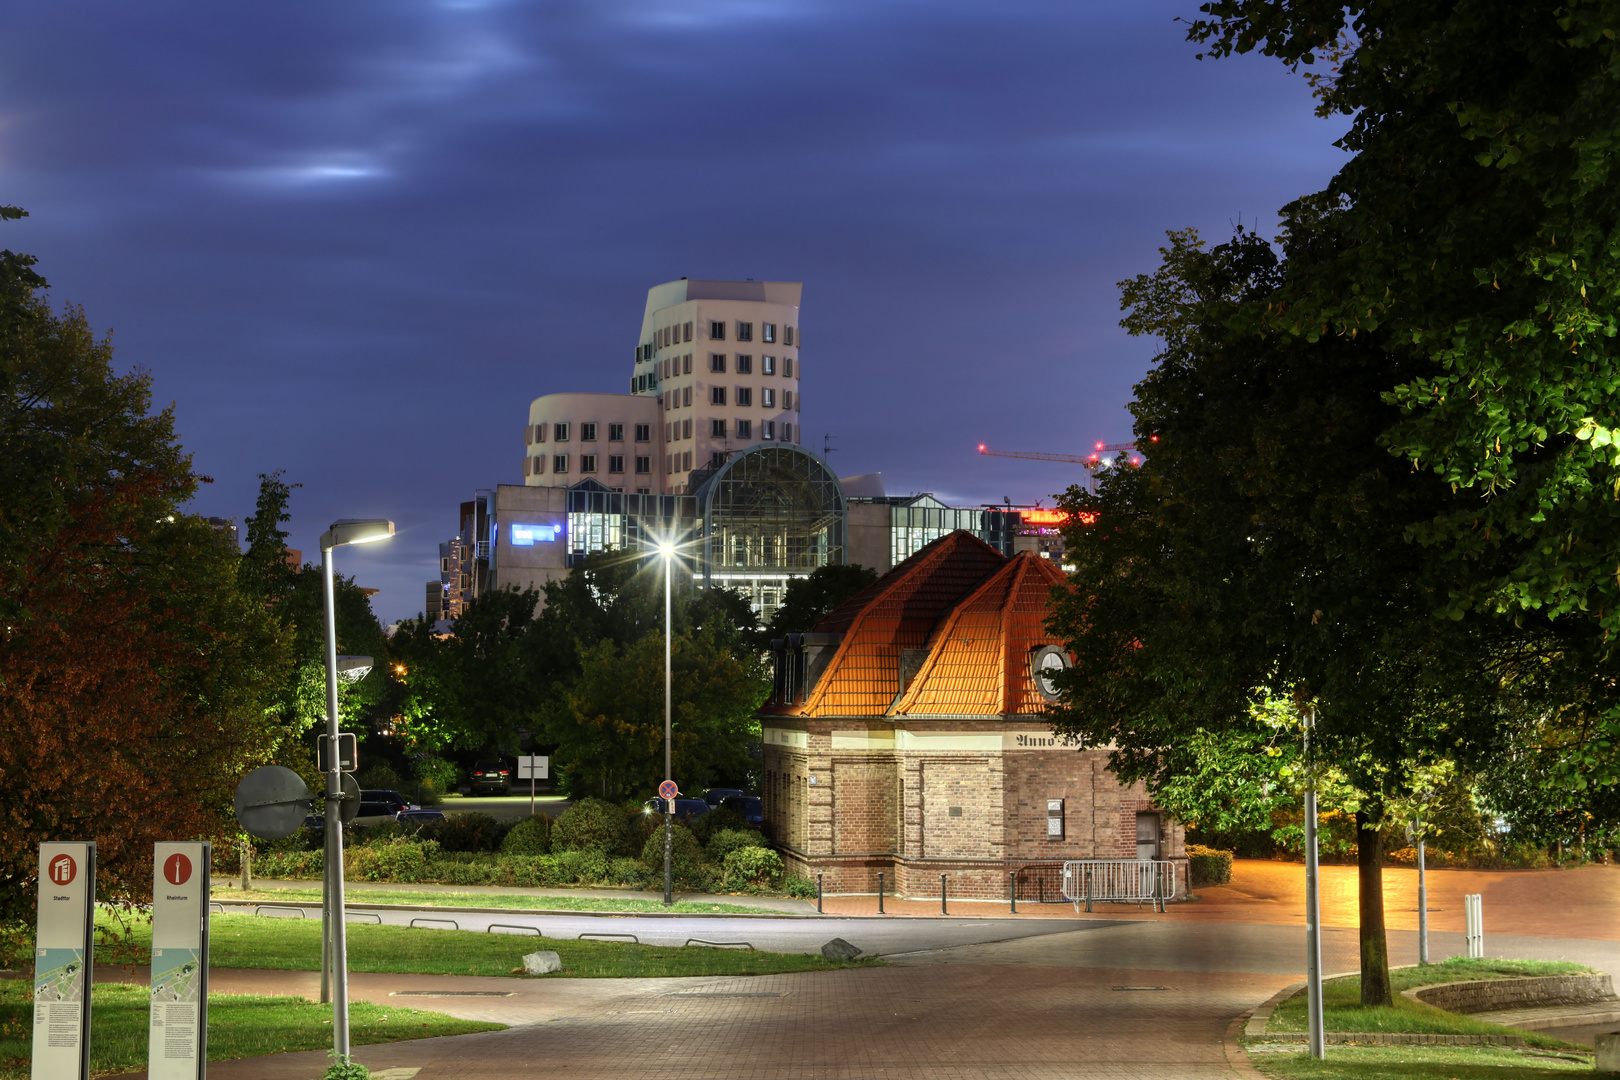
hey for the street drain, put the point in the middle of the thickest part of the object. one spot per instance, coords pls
(772, 994)
(453, 993)
(1139, 988)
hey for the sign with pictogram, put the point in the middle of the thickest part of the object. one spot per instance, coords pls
(64, 959)
(178, 1018)
(668, 790)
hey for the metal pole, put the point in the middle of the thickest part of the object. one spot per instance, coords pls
(1423, 899)
(1313, 907)
(942, 910)
(326, 928)
(334, 830)
(880, 892)
(1012, 889)
(669, 804)
(818, 894)
(531, 788)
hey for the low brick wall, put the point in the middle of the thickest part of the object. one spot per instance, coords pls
(1493, 995)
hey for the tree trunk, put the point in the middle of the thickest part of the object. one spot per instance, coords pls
(1375, 989)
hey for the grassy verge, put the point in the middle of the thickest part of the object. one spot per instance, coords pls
(238, 1026)
(496, 900)
(1420, 1063)
(289, 944)
(1342, 1009)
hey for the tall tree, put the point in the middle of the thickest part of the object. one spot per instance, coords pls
(266, 569)
(809, 598)
(135, 677)
(1260, 553)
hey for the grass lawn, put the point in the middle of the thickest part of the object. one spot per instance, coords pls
(493, 900)
(1420, 1063)
(292, 944)
(238, 1026)
(1342, 1009)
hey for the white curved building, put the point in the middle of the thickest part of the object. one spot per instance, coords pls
(612, 438)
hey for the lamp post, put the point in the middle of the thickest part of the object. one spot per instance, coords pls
(344, 531)
(668, 552)
(1313, 906)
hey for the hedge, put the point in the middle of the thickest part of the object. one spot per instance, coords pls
(1208, 866)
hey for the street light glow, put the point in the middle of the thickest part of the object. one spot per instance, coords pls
(356, 531)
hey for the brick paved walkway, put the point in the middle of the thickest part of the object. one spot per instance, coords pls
(923, 1022)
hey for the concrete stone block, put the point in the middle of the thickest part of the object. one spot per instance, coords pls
(839, 949)
(1607, 1044)
(541, 963)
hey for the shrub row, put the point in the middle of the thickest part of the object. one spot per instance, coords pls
(1208, 866)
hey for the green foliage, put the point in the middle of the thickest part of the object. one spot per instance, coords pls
(726, 841)
(1206, 866)
(809, 598)
(798, 886)
(466, 832)
(590, 825)
(342, 1067)
(531, 836)
(705, 826)
(397, 858)
(380, 777)
(686, 855)
(265, 572)
(752, 867)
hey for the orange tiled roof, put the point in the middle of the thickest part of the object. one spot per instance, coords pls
(978, 664)
(898, 611)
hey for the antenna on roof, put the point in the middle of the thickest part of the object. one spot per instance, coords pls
(826, 445)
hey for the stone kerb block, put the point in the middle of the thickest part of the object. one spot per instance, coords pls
(541, 963)
(1608, 1052)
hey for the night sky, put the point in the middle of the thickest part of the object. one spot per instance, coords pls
(353, 240)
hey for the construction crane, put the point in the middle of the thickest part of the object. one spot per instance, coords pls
(1095, 458)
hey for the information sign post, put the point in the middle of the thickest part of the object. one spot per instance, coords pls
(64, 957)
(532, 768)
(179, 1018)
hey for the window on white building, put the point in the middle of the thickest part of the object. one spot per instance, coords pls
(615, 433)
(560, 432)
(717, 429)
(745, 429)
(643, 433)
(615, 463)
(587, 463)
(559, 463)
(767, 398)
(745, 396)
(745, 331)
(767, 331)
(717, 331)
(745, 364)
(717, 395)
(587, 433)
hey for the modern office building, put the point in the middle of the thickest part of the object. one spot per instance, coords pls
(717, 371)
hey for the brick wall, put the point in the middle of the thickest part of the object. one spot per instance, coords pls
(864, 805)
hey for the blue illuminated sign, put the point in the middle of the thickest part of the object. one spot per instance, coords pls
(528, 535)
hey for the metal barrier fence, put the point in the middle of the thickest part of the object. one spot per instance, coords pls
(1039, 883)
(1119, 881)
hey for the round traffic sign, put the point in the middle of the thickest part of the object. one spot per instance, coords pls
(668, 790)
(272, 802)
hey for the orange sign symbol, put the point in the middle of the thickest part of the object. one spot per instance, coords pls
(62, 869)
(177, 869)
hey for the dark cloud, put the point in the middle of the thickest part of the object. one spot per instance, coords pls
(354, 240)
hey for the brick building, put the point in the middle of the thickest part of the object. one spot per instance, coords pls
(904, 734)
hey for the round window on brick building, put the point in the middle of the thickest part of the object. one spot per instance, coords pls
(1044, 663)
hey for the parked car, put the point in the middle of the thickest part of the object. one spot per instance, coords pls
(391, 798)
(685, 809)
(419, 816)
(492, 777)
(749, 807)
(374, 813)
(716, 795)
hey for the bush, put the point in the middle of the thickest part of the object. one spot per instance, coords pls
(627, 871)
(686, 857)
(466, 832)
(579, 867)
(290, 864)
(726, 841)
(379, 777)
(590, 825)
(437, 777)
(395, 859)
(1207, 866)
(796, 885)
(752, 868)
(531, 836)
(705, 826)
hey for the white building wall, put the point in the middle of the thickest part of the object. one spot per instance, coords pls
(612, 438)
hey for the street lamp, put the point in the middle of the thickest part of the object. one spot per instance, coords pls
(344, 531)
(668, 552)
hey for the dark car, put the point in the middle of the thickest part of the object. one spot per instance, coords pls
(493, 777)
(419, 817)
(749, 807)
(390, 798)
(685, 809)
(716, 795)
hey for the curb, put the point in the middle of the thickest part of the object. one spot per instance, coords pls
(808, 916)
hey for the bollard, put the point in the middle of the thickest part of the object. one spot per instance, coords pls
(880, 892)
(818, 894)
(1012, 889)
(1474, 914)
(942, 910)
(1088, 888)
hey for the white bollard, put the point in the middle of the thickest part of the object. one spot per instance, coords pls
(1474, 912)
